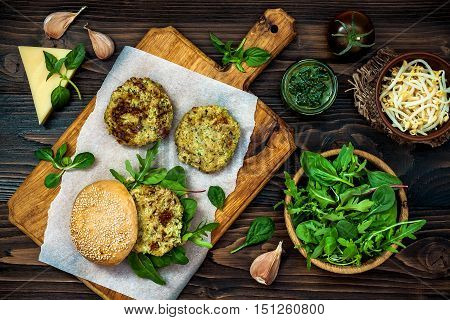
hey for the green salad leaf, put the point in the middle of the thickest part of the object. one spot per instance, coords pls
(379, 178)
(345, 214)
(261, 229)
(217, 196)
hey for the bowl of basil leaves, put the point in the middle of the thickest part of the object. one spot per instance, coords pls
(346, 210)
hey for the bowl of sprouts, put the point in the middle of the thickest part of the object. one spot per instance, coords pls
(413, 96)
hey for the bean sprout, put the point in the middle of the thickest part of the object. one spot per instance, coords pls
(414, 97)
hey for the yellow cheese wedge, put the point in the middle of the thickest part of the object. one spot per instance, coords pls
(34, 62)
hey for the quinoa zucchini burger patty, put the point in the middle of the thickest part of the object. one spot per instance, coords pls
(207, 138)
(160, 215)
(139, 112)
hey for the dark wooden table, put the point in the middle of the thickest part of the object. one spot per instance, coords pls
(421, 271)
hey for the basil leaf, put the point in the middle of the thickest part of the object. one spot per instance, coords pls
(44, 154)
(52, 180)
(83, 160)
(217, 196)
(217, 43)
(261, 230)
(75, 57)
(144, 268)
(240, 49)
(49, 75)
(59, 64)
(228, 46)
(379, 178)
(60, 97)
(227, 58)
(383, 199)
(50, 62)
(254, 57)
(239, 66)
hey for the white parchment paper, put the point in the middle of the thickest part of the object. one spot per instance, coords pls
(186, 90)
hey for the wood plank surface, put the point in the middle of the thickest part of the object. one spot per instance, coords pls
(420, 271)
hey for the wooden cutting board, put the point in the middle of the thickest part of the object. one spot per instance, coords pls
(271, 142)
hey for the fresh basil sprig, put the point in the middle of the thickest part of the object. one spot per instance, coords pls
(147, 265)
(60, 161)
(346, 214)
(61, 95)
(261, 230)
(217, 196)
(253, 57)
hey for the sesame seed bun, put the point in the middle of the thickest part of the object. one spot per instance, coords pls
(104, 225)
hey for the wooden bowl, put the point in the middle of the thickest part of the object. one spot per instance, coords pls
(370, 264)
(436, 63)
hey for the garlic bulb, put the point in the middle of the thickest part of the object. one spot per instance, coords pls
(264, 268)
(55, 24)
(103, 45)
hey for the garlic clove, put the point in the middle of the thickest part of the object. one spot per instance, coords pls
(102, 44)
(55, 24)
(264, 268)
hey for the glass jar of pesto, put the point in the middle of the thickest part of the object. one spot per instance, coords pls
(309, 87)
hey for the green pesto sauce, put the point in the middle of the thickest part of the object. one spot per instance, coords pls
(310, 86)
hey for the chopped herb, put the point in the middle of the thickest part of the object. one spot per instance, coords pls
(310, 86)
